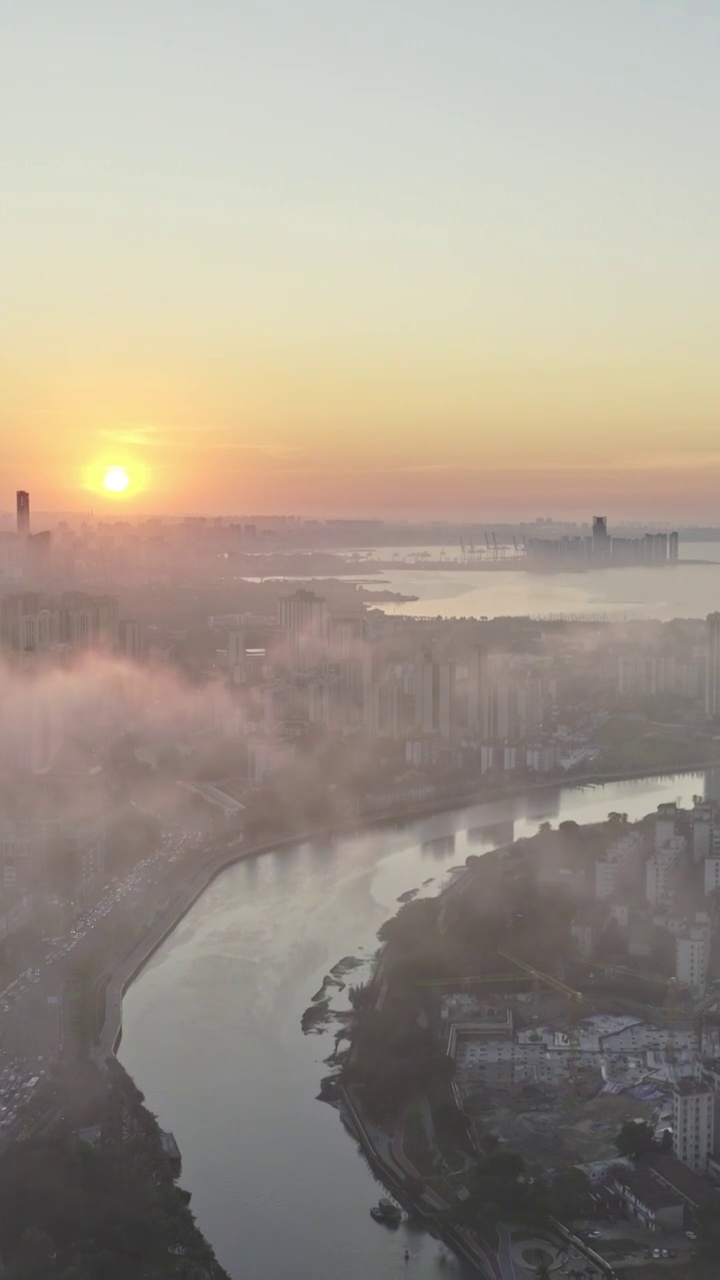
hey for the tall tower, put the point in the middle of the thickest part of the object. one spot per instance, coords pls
(303, 616)
(601, 541)
(23, 512)
(712, 667)
(693, 1123)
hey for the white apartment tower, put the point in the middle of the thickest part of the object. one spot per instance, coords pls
(692, 953)
(693, 1123)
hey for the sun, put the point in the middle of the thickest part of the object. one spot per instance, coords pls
(116, 479)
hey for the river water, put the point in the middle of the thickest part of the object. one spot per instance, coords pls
(684, 590)
(212, 1033)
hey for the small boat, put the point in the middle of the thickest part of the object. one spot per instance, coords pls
(387, 1212)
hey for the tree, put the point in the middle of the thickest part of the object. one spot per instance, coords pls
(569, 1193)
(708, 1224)
(635, 1140)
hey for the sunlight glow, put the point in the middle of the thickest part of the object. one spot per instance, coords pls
(116, 479)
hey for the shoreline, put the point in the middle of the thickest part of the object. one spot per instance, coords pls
(118, 979)
(118, 976)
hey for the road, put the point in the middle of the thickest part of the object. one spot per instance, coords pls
(31, 1008)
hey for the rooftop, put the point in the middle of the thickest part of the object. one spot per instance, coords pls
(693, 1189)
(645, 1188)
(689, 1087)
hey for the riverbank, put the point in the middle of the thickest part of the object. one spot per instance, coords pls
(211, 1031)
(123, 973)
(472, 1251)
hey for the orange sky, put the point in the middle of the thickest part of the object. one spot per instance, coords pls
(275, 258)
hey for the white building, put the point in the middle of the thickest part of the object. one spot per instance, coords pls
(692, 953)
(702, 824)
(608, 870)
(665, 820)
(542, 758)
(660, 871)
(693, 1123)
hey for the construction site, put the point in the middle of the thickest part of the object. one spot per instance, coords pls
(556, 1071)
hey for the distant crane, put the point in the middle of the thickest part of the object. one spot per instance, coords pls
(576, 998)
(468, 550)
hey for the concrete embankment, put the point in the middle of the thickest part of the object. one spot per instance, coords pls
(395, 1180)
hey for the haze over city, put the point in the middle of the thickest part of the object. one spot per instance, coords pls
(361, 259)
(359, 640)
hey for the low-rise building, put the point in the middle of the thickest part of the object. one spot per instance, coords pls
(693, 1190)
(654, 1205)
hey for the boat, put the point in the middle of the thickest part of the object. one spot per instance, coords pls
(387, 1212)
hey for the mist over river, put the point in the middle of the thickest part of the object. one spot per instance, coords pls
(212, 1033)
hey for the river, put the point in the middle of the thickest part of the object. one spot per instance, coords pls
(212, 1033)
(684, 590)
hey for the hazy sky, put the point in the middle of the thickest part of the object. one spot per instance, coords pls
(381, 257)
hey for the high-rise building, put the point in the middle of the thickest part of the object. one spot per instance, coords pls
(446, 699)
(693, 1123)
(712, 669)
(702, 830)
(692, 953)
(601, 541)
(382, 709)
(22, 502)
(38, 547)
(303, 616)
(132, 638)
(674, 547)
(478, 713)
(661, 872)
(434, 696)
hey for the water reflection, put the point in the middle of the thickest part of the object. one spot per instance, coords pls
(212, 1033)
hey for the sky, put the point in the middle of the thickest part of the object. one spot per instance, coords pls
(391, 258)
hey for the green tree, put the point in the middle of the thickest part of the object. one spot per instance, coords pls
(635, 1140)
(569, 1192)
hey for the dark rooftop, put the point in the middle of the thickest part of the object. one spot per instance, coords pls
(652, 1194)
(689, 1086)
(694, 1190)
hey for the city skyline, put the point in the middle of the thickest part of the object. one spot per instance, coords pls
(344, 262)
